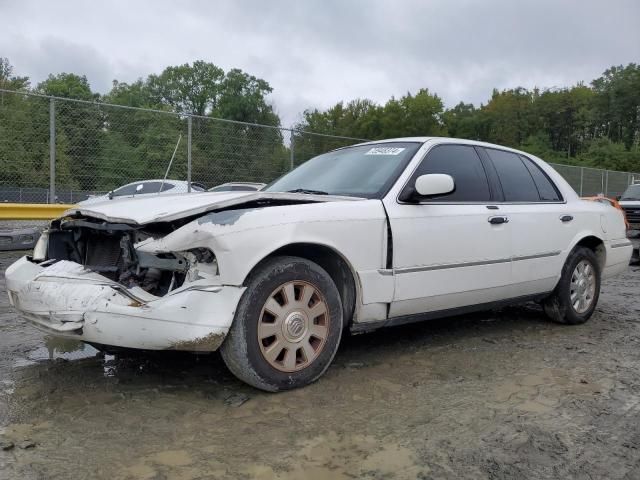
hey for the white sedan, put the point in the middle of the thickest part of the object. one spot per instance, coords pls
(359, 238)
(145, 187)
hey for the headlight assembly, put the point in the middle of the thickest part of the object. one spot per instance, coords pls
(40, 250)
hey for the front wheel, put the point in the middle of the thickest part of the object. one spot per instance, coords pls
(576, 295)
(287, 326)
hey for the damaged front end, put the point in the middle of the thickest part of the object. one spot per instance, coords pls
(111, 250)
(89, 279)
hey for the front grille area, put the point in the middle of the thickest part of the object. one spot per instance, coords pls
(633, 214)
(103, 253)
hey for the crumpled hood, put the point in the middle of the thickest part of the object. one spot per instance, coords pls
(166, 208)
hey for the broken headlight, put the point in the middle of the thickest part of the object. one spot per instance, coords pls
(201, 260)
(203, 255)
(40, 250)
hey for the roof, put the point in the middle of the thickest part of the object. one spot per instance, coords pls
(448, 139)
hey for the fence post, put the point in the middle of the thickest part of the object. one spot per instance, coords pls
(606, 184)
(601, 181)
(52, 151)
(291, 151)
(581, 179)
(189, 127)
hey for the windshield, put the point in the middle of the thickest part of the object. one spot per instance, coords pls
(362, 171)
(631, 193)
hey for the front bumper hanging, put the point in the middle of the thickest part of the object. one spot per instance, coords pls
(66, 299)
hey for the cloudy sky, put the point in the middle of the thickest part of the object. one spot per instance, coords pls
(317, 52)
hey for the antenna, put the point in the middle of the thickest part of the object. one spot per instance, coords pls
(170, 163)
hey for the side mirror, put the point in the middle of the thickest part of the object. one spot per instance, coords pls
(111, 195)
(434, 184)
(430, 185)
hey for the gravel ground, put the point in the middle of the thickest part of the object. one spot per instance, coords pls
(500, 395)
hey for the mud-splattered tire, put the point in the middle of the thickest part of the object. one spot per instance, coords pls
(287, 326)
(576, 295)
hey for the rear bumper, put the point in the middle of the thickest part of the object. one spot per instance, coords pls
(66, 300)
(618, 255)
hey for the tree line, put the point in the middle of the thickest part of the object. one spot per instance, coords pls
(596, 125)
(100, 147)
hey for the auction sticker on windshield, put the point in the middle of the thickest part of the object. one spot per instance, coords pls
(385, 151)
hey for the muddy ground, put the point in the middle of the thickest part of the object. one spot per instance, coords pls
(499, 395)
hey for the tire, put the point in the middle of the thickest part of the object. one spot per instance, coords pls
(277, 342)
(559, 306)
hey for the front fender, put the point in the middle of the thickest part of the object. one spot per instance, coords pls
(240, 239)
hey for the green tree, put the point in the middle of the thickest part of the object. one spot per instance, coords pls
(188, 88)
(510, 116)
(464, 121)
(617, 104)
(79, 128)
(8, 81)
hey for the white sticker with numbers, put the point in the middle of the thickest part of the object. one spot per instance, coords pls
(385, 151)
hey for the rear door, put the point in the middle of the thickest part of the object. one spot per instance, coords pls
(449, 251)
(541, 225)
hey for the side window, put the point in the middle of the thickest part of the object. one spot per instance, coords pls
(149, 187)
(547, 190)
(126, 190)
(464, 165)
(517, 183)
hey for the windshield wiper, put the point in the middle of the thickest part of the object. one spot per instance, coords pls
(306, 190)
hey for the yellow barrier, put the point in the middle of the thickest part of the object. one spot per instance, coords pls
(31, 211)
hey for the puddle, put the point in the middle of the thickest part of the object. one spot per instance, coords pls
(56, 348)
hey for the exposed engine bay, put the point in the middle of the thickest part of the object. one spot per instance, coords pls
(109, 249)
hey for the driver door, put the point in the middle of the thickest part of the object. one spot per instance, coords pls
(453, 250)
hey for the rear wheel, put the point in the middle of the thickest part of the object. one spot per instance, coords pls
(575, 297)
(287, 327)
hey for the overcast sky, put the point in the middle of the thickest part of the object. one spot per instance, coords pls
(317, 52)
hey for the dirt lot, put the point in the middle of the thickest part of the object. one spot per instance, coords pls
(499, 395)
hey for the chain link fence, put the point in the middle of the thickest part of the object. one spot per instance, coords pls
(61, 150)
(594, 181)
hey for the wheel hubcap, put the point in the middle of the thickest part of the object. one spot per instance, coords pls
(583, 286)
(293, 326)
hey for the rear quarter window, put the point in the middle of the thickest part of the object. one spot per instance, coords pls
(546, 189)
(515, 178)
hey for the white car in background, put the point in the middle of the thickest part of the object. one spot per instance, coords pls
(145, 187)
(363, 237)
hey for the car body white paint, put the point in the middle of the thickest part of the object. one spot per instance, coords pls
(445, 256)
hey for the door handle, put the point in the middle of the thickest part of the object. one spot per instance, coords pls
(566, 218)
(497, 220)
